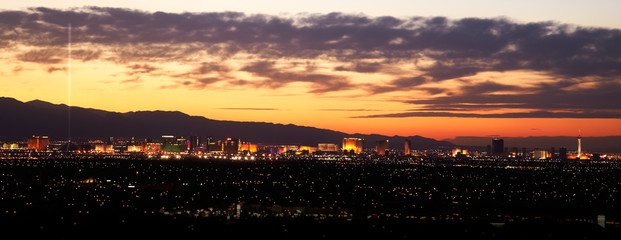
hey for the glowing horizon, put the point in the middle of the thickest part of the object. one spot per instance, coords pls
(433, 77)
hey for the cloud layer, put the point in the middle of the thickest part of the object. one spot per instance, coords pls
(433, 61)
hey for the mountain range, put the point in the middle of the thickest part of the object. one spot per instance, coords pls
(21, 119)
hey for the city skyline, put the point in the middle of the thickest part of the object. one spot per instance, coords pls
(349, 119)
(372, 73)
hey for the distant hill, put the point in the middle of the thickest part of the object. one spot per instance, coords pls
(19, 119)
(589, 144)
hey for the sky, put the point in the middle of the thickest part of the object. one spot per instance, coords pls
(437, 69)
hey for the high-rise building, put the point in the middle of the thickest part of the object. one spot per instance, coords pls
(172, 144)
(498, 146)
(307, 149)
(153, 147)
(354, 145)
(39, 143)
(231, 146)
(101, 146)
(246, 146)
(408, 146)
(381, 147)
(458, 152)
(552, 153)
(195, 144)
(562, 153)
(540, 154)
(328, 147)
(135, 148)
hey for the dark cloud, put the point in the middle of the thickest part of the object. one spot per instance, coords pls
(432, 91)
(52, 69)
(601, 96)
(44, 56)
(488, 87)
(459, 47)
(582, 63)
(361, 67)
(276, 78)
(258, 109)
(535, 114)
(138, 69)
(85, 55)
(348, 110)
(202, 76)
(209, 67)
(544, 100)
(405, 83)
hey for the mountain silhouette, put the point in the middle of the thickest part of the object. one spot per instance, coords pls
(22, 119)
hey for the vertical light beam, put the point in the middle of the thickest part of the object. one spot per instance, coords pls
(69, 87)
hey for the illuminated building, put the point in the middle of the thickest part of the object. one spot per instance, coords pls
(381, 147)
(38, 143)
(579, 146)
(353, 145)
(134, 148)
(231, 146)
(408, 146)
(270, 149)
(308, 149)
(327, 147)
(172, 144)
(100, 146)
(498, 146)
(458, 151)
(540, 154)
(212, 146)
(601, 220)
(153, 147)
(248, 147)
(195, 144)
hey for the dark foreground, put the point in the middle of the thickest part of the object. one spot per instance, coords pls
(309, 199)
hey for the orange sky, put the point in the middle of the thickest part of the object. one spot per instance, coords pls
(371, 93)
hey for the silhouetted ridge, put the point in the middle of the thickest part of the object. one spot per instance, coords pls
(43, 118)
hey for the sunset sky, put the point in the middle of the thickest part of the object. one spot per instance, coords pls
(394, 67)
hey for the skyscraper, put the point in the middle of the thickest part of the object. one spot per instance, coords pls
(381, 146)
(408, 146)
(328, 147)
(195, 143)
(562, 153)
(172, 144)
(540, 154)
(552, 153)
(231, 146)
(353, 144)
(498, 146)
(38, 142)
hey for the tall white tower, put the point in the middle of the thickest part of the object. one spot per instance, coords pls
(579, 144)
